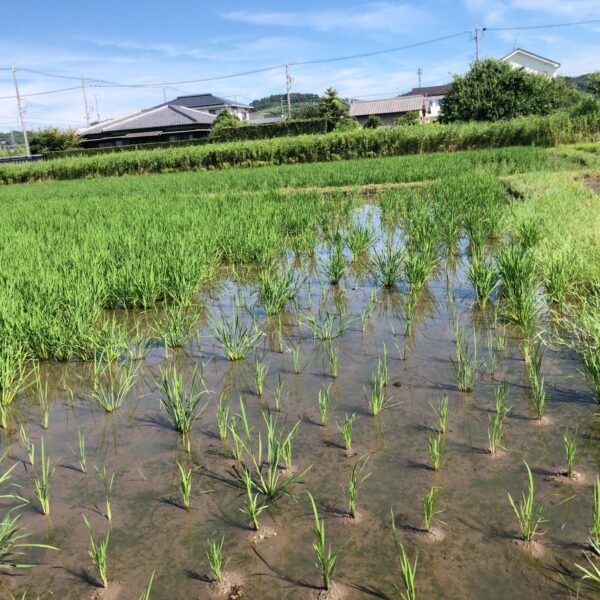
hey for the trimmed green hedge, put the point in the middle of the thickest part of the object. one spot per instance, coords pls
(271, 130)
(540, 131)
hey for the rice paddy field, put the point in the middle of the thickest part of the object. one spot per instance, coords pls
(364, 379)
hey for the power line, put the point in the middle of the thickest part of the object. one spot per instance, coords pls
(77, 87)
(587, 22)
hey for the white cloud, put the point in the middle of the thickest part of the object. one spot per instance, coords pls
(376, 17)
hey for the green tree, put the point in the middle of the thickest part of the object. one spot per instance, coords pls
(332, 108)
(410, 118)
(53, 139)
(493, 90)
(306, 111)
(224, 119)
(593, 84)
(373, 122)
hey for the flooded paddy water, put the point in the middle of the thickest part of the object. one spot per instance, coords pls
(473, 550)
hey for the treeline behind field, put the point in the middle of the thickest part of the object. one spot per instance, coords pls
(551, 130)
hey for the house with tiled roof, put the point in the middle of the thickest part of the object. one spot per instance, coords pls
(390, 109)
(534, 63)
(435, 94)
(165, 123)
(213, 105)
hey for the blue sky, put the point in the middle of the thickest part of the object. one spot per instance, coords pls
(136, 42)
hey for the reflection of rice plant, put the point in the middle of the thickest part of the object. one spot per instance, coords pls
(251, 506)
(327, 329)
(483, 277)
(185, 486)
(326, 557)
(354, 482)
(181, 406)
(275, 290)
(428, 506)
(260, 372)
(595, 528)
(112, 384)
(436, 450)
(12, 543)
(410, 304)
(236, 338)
(108, 485)
(464, 364)
(216, 561)
(99, 554)
(409, 572)
(571, 450)
(323, 400)
(530, 513)
(346, 430)
(442, 413)
(41, 479)
(385, 266)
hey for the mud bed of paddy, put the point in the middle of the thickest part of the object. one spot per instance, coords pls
(476, 555)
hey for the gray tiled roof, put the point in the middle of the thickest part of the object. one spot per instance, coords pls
(432, 90)
(401, 104)
(202, 101)
(163, 116)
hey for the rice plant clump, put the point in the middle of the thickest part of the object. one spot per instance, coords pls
(275, 290)
(483, 276)
(112, 384)
(323, 400)
(386, 266)
(428, 504)
(354, 482)
(409, 571)
(436, 451)
(236, 338)
(360, 239)
(327, 328)
(13, 376)
(99, 554)
(216, 560)
(571, 450)
(595, 528)
(346, 430)
(464, 363)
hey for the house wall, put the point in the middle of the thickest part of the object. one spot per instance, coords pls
(531, 64)
(120, 140)
(435, 108)
(243, 114)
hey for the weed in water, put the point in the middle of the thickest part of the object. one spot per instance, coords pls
(185, 486)
(442, 413)
(571, 450)
(99, 554)
(236, 338)
(326, 557)
(216, 561)
(530, 513)
(223, 416)
(385, 266)
(428, 506)
(181, 406)
(346, 430)
(107, 483)
(334, 357)
(409, 571)
(323, 400)
(436, 450)
(41, 480)
(354, 482)
(251, 506)
(295, 352)
(260, 373)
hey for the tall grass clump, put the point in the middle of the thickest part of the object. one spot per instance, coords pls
(529, 511)
(326, 556)
(386, 266)
(181, 405)
(275, 290)
(236, 338)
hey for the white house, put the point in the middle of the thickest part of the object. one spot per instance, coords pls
(434, 95)
(531, 62)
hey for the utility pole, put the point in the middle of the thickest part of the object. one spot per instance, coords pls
(21, 111)
(419, 73)
(476, 36)
(97, 111)
(288, 86)
(85, 103)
